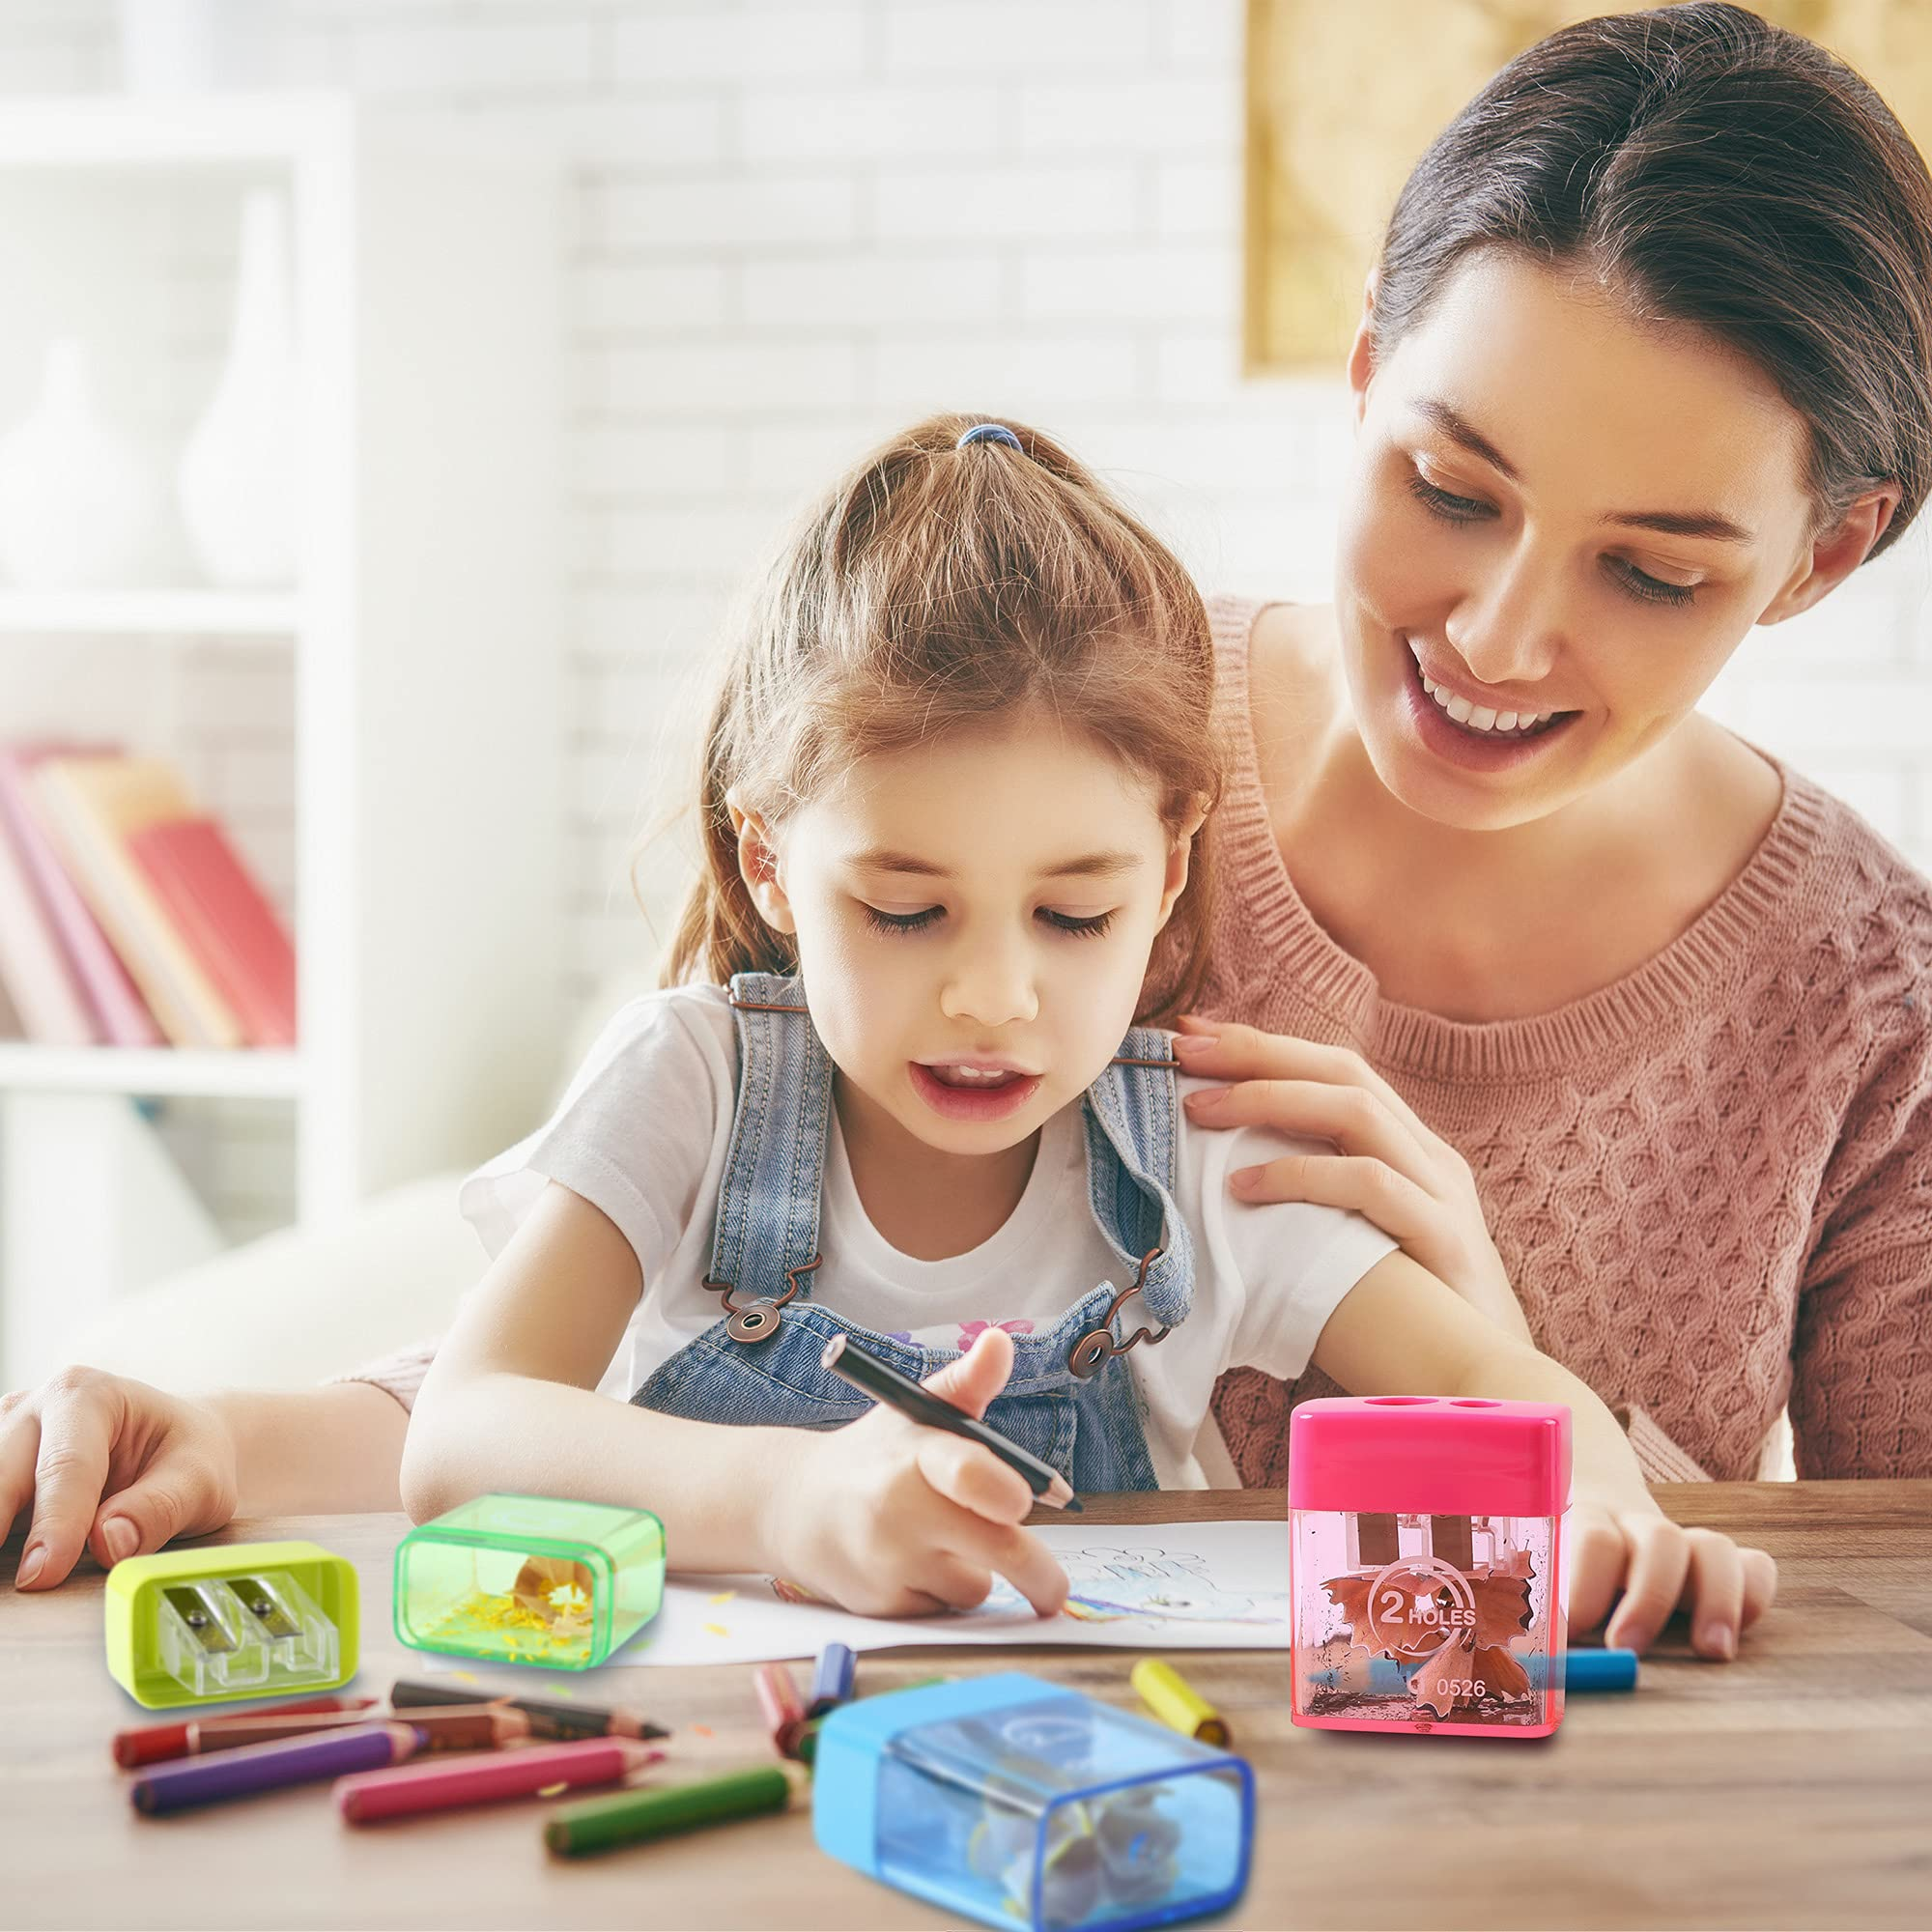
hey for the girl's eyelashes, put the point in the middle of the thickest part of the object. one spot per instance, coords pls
(1093, 927)
(1640, 583)
(888, 921)
(915, 922)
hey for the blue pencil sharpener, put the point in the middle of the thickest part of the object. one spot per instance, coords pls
(1021, 1804)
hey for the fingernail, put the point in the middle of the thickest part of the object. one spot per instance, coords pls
(1189, 1044)
(1722, 1638)
(1246, 1179)
(120, 1538)
(31, 1566)
(1207, 1102)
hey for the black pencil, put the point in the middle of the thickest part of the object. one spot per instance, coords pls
(918, 1404)
(547, 1719)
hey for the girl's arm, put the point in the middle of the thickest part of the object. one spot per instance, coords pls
(1400, 1331)
(885, 1516)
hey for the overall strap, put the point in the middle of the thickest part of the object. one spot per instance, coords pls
(1131, 1114)
(766, 1233)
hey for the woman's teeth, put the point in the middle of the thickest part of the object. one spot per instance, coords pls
(1479, 717)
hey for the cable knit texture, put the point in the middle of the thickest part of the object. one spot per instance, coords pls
(1711, 1180)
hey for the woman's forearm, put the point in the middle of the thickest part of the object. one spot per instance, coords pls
(314, 1452)
(1603, 1463)
(707, 1482)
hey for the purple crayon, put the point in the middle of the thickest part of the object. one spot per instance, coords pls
(240, 1773)
(831, 1680)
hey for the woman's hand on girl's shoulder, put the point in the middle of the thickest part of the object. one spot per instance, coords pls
(894, 1520)
(1626, 1553)
(1388, 1166)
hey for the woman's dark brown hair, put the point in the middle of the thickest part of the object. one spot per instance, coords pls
(935, 589)
(1716, 172)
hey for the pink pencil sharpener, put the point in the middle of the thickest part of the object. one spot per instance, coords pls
(1423, 1562)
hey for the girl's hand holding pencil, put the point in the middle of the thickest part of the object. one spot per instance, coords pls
(894, 1520)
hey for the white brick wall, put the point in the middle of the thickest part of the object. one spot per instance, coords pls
(800, 221)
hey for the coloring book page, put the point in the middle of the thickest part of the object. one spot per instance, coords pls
(1160, 1586)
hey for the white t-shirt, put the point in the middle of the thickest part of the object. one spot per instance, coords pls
(642, 1134)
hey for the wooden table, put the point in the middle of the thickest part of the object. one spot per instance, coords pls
(1790, 1788)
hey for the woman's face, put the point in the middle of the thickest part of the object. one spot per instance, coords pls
(1565, 524)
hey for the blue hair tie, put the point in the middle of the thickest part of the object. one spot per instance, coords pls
(990, 432)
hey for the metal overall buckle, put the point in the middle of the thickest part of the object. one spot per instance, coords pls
(757, 1320)
(1095, 1348)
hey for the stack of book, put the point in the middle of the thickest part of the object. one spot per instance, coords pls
(127, 917)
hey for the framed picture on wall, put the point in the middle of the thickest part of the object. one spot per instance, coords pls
(1342, 100)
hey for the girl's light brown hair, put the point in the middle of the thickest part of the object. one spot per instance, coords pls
(935, 587)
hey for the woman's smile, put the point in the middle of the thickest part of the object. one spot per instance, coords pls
(1477, 739)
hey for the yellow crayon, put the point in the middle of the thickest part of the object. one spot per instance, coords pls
(1177, 1703)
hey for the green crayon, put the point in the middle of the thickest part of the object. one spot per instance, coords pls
(630, 1817)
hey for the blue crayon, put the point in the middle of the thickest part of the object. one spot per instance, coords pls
(1583, 1671)
(1593, 1670)
(832, 1680)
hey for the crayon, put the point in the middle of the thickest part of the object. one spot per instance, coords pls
(832, 1679)
(153, 1743)
(458, 1728)
(557, 1721)
(777, 1699)
(241, 1774)
(1584, 1671)
(446, 1786)
(918, 1404)
(1588, 1670)
(1177, 1703)
(631, 1817)
(231, 1733)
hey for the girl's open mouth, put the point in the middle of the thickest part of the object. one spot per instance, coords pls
(968, 1094)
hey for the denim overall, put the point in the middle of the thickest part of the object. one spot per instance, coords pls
(1070, 1399)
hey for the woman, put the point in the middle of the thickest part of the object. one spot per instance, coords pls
(1644, 363)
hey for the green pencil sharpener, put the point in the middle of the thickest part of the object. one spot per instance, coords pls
(240, 1620)
(529, 1580)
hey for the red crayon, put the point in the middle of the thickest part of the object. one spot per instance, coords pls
(151, 1744)
(445, 1786)
(784, 1715)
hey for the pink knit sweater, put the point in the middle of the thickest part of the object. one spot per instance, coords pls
(1711, 1182)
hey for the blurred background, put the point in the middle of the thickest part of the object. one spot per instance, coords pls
(394, 392)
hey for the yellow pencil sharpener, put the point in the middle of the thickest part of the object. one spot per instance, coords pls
(529, 1580)
(240, 1620)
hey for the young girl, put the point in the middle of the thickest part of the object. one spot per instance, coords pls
(954, 802)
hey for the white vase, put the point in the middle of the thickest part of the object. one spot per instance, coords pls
(77, 509)
(238, 470)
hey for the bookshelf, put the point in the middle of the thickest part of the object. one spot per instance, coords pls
(398, 704)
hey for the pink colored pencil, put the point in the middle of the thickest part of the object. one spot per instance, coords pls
(477, 1780)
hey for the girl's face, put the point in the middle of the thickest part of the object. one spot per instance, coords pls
(1566, 525)
(973, 921)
